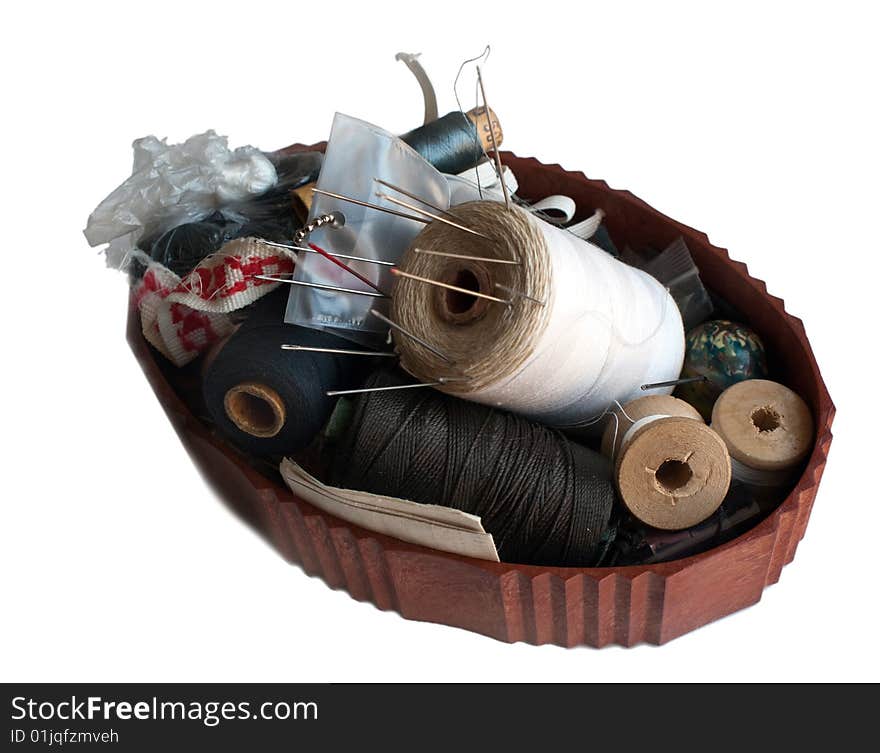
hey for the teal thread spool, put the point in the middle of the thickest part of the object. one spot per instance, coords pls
(725, 353)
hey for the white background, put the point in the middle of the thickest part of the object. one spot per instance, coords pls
(757, 124)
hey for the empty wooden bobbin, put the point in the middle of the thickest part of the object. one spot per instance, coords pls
(766, 426)
(255, 408)
(671, 470)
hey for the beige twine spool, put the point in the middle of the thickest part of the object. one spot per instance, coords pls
(604, 328)
(507, 333)
(672, 471)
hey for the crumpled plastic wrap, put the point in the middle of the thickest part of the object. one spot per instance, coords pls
(270, 216)
(173, 184)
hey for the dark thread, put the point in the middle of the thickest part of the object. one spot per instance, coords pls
(451, 143)
(300, 378)
(544, 499)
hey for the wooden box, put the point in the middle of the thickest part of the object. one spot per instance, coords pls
(566, 606)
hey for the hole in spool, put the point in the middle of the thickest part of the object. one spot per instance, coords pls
(766, 419)
(461, 303)
(256, 409)
(460, 308)
(672, 475)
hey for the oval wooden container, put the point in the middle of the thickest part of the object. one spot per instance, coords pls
(565, 606)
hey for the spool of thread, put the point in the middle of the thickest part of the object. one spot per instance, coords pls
(768, 430)
(672, 471)
(591, 331)
(544, 499)
(457, 141)
(269, 401)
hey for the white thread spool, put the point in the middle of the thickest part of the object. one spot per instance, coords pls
(671, 470)
(768, 430)
(605, 328)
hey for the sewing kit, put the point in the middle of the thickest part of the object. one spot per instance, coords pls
(467, 386)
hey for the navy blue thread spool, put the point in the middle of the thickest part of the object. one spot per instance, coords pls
(457, 141)
(269, 401)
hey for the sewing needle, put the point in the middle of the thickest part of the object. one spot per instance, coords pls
(674, 382)
(319, 286)
(457, 289)
(433, 216)
(498, 165)
(464, 256)
(291, 247)
(438, 383)
(368, 205)
(411, 336)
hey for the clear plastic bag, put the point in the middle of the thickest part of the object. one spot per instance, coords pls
(357, 152)
(676, 269)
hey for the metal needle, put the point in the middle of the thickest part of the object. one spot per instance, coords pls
(341, 351)
(411, 336)
(433, 216)
(438, 383)
(517, 293)
(673, 382)
(411, 195)
(457, 289)
(368, 205)
(498, 165)
(330, 257)
(464, 256)
(291, 247)
(319, 286)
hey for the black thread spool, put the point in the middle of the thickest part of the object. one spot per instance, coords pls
(457, 141)
(269, 401)
(544, 499)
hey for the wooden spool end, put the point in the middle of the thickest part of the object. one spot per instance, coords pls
(255, 408)
(764, 424)
(488, 126)
(672, 472)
